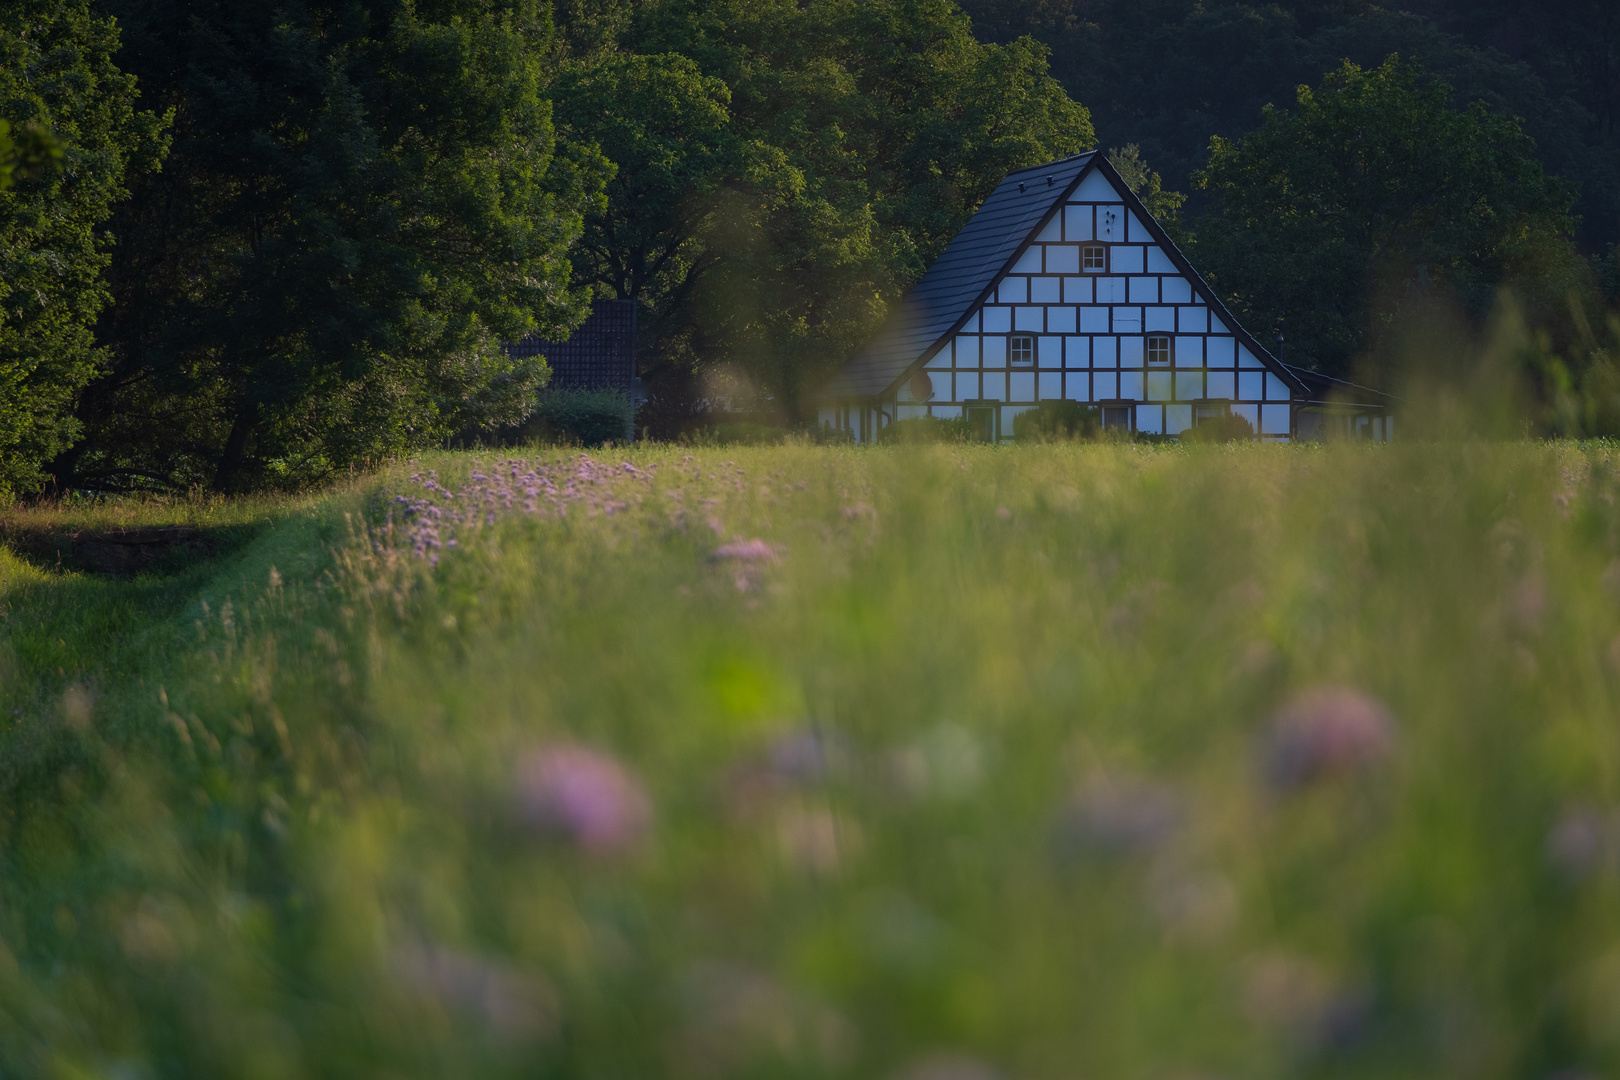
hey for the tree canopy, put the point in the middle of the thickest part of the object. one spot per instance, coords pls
(362, 202)
(73, 136)
(1375, 189)
(785, 169)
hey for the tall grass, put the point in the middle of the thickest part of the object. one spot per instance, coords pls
(940, 762)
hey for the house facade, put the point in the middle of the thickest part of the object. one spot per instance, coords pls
(1062, 286)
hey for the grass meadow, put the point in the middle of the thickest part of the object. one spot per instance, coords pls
(924, 763)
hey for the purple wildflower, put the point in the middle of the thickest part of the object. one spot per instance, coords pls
(585, 795)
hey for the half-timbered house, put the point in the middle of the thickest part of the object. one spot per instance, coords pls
(1063, 286)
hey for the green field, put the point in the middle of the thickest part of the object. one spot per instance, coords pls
(939, 763)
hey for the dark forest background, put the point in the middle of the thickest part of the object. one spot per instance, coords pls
(246, 246)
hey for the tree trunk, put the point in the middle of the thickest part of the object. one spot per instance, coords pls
(235, 454)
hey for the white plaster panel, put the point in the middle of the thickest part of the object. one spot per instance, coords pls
(1177, 418)
(1104, 385)
(1008, 416)
(997, 320)
(1130, 385)
(1093, 320)
(1158, 386)
(1104, 352)
(1045, 290)
(1216, 326)
(1139, 232)
(1077, 290)
(972, 324)
(1144, 290)
(1251, 413)
(1021, 386)
(827, 416)
(910, 412)
(1063, 259)
(995, 386)
(1077, 223)
(1175, 290)
(1190, 351)
(941, 359)
(1111, 223)
(1219, 385)
(1125, 260)
(1077, 352)
(1276, 389)
(1051, 385)
(1160, 318)
(1029, 262)
(1130, 352)
(1029, 318)
(1013, 290)
(1189, 385)
(1158, 262)
(1192, 320)
(1218, 352)
(1053, 230)
(1150, 419)
(967, 386)
(1050, 351)
(1251, 385)
(946, 412)
(995, 352)
(967, 351)
(1094, 188)
(1060, 320)
(1274, 419)
(1247, 358)
(1110, 290)
(1127, 320)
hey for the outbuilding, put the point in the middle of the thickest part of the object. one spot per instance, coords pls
(1063, 286)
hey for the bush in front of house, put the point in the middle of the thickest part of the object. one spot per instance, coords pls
(1223, 429)
(589, 417)
(1057, 421)
(926, 429)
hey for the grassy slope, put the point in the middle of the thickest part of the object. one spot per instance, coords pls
(270, 824)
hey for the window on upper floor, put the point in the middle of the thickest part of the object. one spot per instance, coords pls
(1158, 349)
(1093, 258)
(1021, 348)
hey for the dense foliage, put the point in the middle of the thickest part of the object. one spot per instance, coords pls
(786, 169)
(64, 104)
(1372, 194)
(363, 200)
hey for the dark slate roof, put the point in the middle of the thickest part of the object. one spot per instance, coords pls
(982, 253)
(961, 277)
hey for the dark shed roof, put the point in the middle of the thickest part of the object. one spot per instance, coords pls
(981, 254)
(960, 277)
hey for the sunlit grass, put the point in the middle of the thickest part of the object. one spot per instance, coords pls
(943, 762)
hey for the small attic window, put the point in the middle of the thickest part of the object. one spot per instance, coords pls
(1021, 348)
(1158, 349)
(1093, 259)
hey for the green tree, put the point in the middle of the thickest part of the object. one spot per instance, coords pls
(790, 167)
(1146, 184)
(364, 199)
(66, 105)
(1328, 220)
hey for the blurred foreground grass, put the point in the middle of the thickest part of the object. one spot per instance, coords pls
(935, 763)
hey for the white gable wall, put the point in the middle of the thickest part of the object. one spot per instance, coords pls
(1091, 327)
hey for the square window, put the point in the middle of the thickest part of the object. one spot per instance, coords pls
(1158, 349)
(1021, 348)
(1093, 259)
(1116, 417)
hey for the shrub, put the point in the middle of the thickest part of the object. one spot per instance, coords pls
(926, 429)
(1057, 421)
(1222, 430)
(591, 417)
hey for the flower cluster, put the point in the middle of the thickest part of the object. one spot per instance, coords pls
(437, 517)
